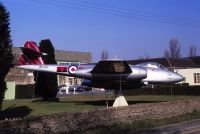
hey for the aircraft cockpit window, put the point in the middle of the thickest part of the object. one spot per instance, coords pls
(152, 65)
(162, 67)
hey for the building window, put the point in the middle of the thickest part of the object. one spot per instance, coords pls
(70, 81)
(196, 77)
(75, 81)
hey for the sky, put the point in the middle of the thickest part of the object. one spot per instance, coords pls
(127, 29)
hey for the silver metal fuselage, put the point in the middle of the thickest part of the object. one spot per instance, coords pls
(138, 73)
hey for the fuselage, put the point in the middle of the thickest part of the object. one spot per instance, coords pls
(157, 75)
(136, 73)
(106, 73)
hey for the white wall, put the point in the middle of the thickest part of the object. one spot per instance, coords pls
(189, 75)
(10, 92)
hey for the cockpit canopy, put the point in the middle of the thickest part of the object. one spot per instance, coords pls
(152, 65)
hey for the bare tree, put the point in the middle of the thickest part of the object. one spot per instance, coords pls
(193, 54)
(193, 51)
(104, 54)
(166, 53)
(147, 56)
(174, 51)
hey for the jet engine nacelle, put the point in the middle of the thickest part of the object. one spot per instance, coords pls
(137, 73)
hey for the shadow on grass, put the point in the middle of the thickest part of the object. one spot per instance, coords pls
(46, 100)
(15, 112)
(103, 102)
(94, 102)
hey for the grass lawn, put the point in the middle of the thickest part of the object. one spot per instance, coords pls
(27, 107)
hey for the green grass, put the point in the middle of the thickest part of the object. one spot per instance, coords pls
(26, 107)
(39, 107)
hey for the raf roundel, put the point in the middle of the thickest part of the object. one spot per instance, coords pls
(72, 69)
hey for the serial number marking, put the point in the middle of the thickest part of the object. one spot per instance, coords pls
(43, 66)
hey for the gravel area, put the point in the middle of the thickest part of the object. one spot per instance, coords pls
(69, 122)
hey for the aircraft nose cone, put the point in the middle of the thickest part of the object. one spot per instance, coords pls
(180, 78)
(183, 78)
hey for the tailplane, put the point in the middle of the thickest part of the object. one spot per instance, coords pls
(31, 54)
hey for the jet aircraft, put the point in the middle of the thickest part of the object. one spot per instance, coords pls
(109, 74)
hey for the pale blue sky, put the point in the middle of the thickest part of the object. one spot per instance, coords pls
(128, 29)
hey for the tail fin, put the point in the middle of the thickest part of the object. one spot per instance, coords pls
(31, 54)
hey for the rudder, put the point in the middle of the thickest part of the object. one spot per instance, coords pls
(31, 54)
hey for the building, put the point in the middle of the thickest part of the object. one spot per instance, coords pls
(192, 75)
(71, 58)
(187, 67)
(24, 77)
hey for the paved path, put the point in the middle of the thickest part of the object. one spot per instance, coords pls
(189, 127)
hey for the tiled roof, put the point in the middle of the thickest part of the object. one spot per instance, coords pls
(73, 56)
(61, 55)
(174, 63)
